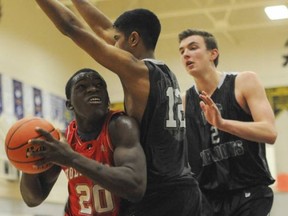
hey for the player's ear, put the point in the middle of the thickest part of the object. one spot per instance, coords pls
(69, 105)
(214, 54)
(134, 38)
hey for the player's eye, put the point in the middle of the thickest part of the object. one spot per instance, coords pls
(116, 37)
(99, 85)
(193, 47)
(80, 87)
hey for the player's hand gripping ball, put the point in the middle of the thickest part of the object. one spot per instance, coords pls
(17, 146)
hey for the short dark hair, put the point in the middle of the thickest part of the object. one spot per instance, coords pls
(70, 83)
(143, 21)
(209, 39)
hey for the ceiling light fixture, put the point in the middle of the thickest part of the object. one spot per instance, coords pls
(277, 12)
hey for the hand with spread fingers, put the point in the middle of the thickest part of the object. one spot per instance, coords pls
(52, 150)
(210, 110)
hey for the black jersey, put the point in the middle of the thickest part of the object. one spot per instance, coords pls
(220, 160)
(165, 145)
(163, 129)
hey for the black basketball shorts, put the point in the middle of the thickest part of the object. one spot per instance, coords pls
(254, 201)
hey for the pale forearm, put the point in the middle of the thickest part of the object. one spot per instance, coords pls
(254, 131)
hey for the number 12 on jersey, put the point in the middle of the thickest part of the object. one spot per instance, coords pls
(175, 109)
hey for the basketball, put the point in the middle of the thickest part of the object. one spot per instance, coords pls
(17, 146)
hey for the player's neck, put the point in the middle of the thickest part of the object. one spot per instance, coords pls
(90, 129)
(209, 82)
(87, 136)
(146, 55)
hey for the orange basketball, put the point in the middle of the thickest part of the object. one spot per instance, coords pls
(17, 146)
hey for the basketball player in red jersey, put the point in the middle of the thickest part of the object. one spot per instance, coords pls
(102, 159)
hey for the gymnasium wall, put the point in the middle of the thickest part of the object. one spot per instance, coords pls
(35, 53)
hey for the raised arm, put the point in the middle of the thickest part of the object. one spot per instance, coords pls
(131, 71)
(251, 96)
(97, 20)
(117, 60)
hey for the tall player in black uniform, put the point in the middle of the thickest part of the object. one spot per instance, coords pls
(151, 96)
(229, 120)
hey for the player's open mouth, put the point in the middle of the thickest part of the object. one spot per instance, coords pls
(94, 100)
(188, 63)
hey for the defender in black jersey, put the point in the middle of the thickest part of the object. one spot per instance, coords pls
(151, 96)
(228, 120)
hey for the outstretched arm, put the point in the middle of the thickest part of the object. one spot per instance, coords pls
(115, 59)
(251, 96)
(131, 71)
(60, 15)
(97, 20)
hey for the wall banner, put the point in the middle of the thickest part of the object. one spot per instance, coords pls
(18, 99)
(38, 102)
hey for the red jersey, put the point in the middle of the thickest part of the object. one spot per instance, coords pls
(85, 197)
